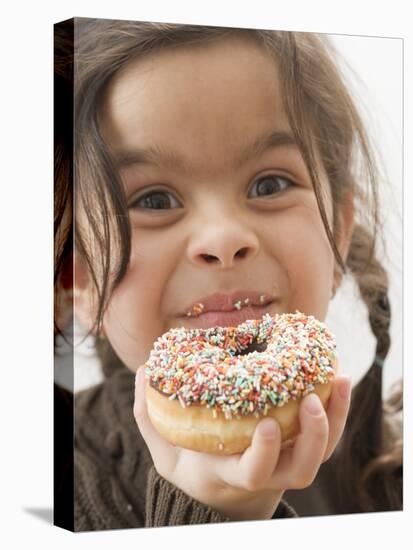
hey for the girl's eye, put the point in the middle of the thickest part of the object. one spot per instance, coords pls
(156, 200)
(269, 185)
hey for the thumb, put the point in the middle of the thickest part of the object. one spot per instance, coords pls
(159, 448)
(140, 408)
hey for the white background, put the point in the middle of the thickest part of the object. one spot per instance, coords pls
(27, 271)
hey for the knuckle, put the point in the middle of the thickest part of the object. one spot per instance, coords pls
(250, 487)
(310, 479)
(296, 483)
(302, 480)
(327, 455)
(140, 411)
(137, 411)
(251, 483)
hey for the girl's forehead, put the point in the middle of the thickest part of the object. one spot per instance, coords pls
(230, 88)
(224, 58)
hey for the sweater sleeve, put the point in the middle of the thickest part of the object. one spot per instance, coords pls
(168, 505)
(100, 502)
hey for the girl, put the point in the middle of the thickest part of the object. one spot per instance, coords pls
(214, 160)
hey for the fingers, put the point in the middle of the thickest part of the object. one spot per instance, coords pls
(295, 464)
(162, 452)
(337, 412)
(299, 465)
(253, 469)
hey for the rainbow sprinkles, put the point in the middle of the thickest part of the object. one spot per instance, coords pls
(213, 367)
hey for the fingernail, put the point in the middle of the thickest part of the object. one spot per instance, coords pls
(312, 404)
(268, 429)
(345, 388)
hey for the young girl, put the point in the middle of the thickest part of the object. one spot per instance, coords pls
(214, 160)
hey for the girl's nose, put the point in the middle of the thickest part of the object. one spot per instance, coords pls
(222, 245)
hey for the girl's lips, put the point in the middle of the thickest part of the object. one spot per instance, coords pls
(227, 309)
(219, 302)
(226, 318)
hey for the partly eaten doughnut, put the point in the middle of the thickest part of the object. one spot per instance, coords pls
(208, 388)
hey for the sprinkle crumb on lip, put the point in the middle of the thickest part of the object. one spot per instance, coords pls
(196, 310)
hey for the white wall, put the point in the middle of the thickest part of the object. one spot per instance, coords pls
(378, 87)
(377, 84)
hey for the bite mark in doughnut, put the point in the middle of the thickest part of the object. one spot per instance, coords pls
(207, 389)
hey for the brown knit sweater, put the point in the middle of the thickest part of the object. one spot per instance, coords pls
(116, 484)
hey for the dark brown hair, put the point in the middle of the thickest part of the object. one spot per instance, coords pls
(325, 123)
(63, 174)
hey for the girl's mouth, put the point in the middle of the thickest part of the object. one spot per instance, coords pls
(228, 309)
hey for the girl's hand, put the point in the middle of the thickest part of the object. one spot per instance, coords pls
(250, 485)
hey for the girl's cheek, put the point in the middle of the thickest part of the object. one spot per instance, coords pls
(305, 255)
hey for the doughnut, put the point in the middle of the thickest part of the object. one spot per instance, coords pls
(207, 389)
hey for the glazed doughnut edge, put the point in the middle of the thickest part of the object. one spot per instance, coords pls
(194, 427)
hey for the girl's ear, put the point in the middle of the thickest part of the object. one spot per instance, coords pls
(83, 292)
(344, 233)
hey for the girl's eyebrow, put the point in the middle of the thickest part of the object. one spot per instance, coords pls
(155, 155)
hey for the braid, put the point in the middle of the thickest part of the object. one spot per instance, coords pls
(363, 437)
(109, 361)
(383, 476)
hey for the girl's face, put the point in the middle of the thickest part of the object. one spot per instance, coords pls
(222, 209)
